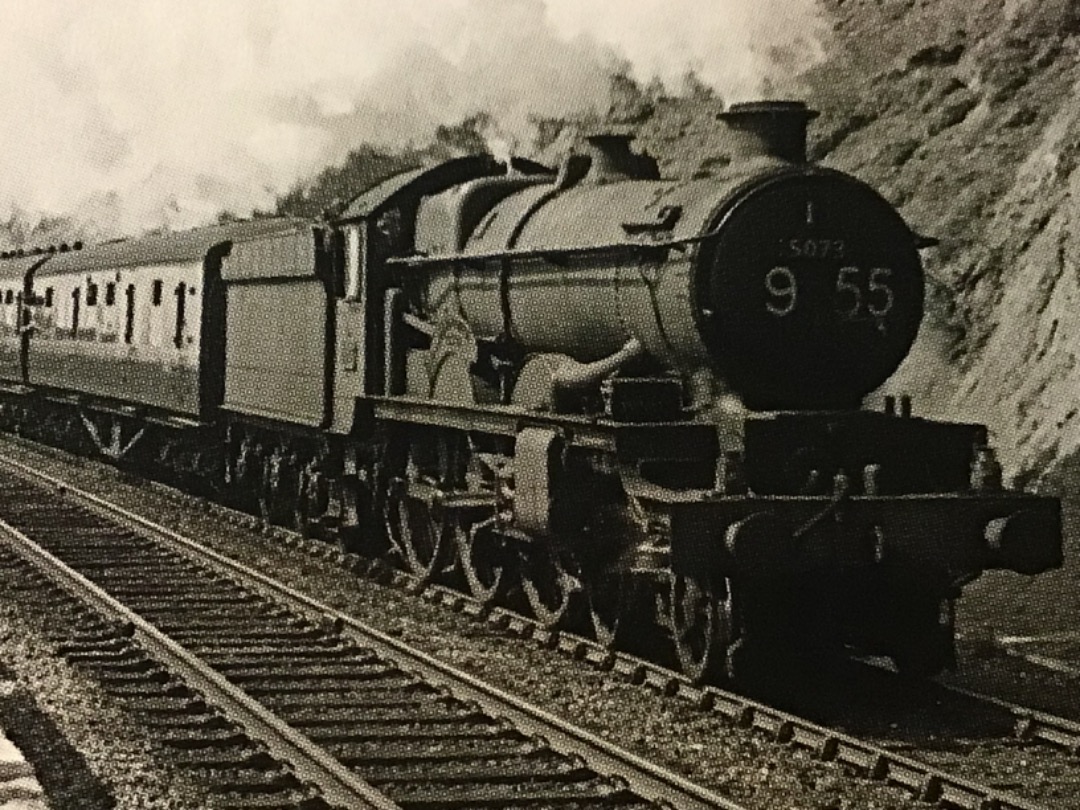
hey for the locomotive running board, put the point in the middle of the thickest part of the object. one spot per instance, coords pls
(502, 420)
(607, 435)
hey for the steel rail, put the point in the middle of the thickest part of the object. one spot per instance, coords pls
(922, 780)
(338, 785)
(639, 775)
(878, 763)
(1031, 724)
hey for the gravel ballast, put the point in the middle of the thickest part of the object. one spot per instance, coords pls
(87, 752)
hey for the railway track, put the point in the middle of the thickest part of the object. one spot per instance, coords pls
(877, 762)
(360, 717)
(217, 744)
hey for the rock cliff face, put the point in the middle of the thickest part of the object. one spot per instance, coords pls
(970, 122)
(967, 116)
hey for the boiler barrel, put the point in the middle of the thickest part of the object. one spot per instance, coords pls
(586, 304)
(800, 287)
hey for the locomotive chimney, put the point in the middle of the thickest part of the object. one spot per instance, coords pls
(769, 128)
(612, 160)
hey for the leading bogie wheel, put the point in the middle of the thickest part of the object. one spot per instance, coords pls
(928, 645)
(698, 627)
(609, 600)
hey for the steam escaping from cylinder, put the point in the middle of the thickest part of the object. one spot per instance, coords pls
(140, 114)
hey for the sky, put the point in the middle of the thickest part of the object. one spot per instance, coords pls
(148, 113)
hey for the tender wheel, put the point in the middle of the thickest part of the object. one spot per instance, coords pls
(548, 586)
(697, 627)
(417, 534)
(481, 559)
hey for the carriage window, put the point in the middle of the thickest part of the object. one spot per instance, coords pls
(91, 294)
(129, 325)
(75, 296)
(48, 296)
(159, 286)
(178, 337)
(8, 297)
(110, 293)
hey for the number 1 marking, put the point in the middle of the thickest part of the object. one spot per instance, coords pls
(809, 212)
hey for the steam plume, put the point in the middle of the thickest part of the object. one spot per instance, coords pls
(151, 113)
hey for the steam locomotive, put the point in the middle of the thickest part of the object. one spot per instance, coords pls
(618, 401)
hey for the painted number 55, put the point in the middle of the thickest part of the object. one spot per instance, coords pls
(858, 292)
(854, 299)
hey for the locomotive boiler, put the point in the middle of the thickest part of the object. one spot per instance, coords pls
(629, 405)
(798, 288)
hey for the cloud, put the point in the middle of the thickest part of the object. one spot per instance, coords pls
(162, 112)
(737, 46)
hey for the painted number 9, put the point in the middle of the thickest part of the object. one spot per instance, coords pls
(780, 284)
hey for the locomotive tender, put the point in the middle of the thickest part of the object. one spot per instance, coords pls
(608, 397)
